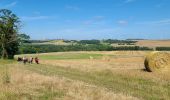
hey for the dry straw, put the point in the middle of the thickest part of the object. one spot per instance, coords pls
(157, 61)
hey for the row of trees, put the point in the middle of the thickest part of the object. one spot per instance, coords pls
(119, 41)
(89, 42)
(93, 41)
(163, 48)
(28, 48)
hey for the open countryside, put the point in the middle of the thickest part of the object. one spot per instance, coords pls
(84, 50)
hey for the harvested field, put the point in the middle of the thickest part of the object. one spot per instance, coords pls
(75, 76)
(154, 43)
(27, 84)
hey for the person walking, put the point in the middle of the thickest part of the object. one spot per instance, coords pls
(31, 60)
(24, 60)
(36, 60)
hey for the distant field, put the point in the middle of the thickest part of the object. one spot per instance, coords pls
(149, 43)
(154, 43)
(55, 42)
(143, 43)
(114, 75)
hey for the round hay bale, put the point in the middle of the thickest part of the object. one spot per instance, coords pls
(157, 61)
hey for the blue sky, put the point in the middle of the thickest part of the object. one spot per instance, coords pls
(92, 19)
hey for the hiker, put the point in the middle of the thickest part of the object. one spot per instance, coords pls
(31, 60)
(25, 60)
(36, 60)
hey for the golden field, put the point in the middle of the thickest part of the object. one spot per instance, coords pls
(153, 43)
(95, 75)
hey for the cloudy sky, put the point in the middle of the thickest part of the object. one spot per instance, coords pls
(92, 19)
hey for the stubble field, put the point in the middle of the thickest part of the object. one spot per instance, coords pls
(153, 43)
(114, 75)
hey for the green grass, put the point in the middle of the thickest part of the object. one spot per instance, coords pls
(67, 56)
(70, 56)
(3, 62)
(135, 86)
(46, 94)
(49, 94)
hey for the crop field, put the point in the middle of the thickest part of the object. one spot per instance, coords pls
(106, 75)
(153, 43)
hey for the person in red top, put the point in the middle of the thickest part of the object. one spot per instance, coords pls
(36, 60)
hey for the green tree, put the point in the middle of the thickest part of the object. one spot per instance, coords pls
(9, 25)
(23, 38)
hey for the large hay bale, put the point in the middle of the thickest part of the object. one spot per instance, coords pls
(157, 61)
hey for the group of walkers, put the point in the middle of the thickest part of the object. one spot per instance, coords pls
(28, 60)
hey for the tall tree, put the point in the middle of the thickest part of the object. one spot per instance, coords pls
(9, 25)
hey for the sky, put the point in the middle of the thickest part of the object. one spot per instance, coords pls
(92, 19)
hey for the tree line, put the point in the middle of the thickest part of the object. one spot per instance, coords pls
(163, 48)
(93, 41)
(33, 48)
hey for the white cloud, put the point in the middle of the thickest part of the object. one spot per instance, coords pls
(158, 22)
(29, 18)
(122, 22)
(12, 4)
(166, 21)
(94, 20)
(72, 7)
(99, 17)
